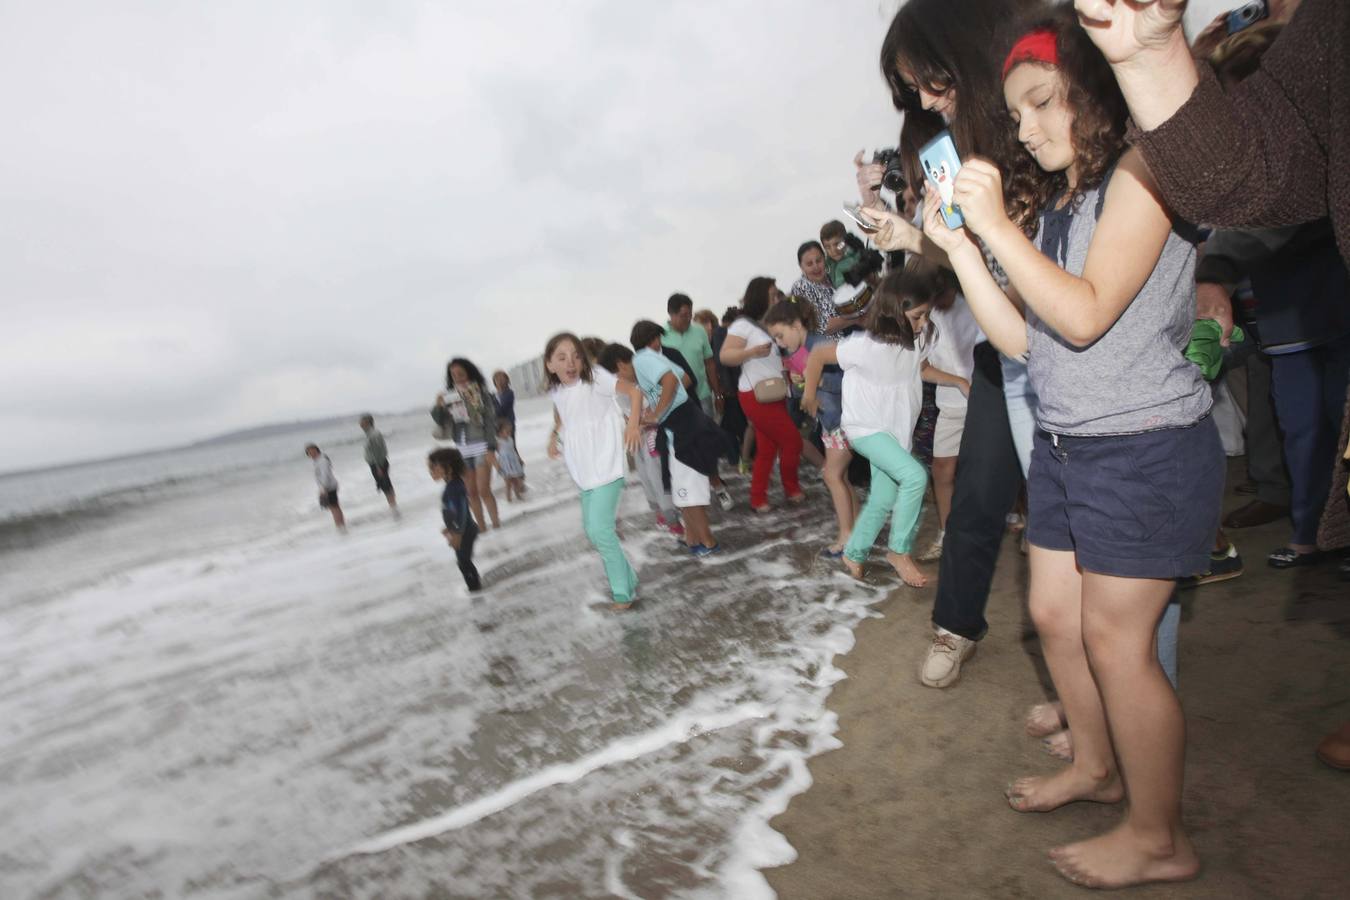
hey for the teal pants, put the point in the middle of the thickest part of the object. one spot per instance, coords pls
(898, 483)
(599, 506)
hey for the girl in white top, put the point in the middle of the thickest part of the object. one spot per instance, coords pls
(882, 394)
(749, 346)
(953, 352)
(595, 439)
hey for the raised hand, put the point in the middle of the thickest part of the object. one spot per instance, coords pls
(1126, 29)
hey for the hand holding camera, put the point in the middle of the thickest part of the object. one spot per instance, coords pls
(883, 171)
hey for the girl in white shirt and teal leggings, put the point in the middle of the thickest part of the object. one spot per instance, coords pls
(594, 442)
(884, 368)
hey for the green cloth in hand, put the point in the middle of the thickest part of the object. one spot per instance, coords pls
(1205, 350)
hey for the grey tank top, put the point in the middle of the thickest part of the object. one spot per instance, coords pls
(1135, 377)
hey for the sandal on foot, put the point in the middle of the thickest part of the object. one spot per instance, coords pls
(1289, 558)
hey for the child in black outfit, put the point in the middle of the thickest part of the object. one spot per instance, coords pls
(460, 531)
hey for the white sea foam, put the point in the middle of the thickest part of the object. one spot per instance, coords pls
(681, 728)
(236, 712)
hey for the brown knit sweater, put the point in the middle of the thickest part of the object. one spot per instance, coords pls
(1275, 150)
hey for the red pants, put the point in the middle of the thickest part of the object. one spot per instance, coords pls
(775, 436)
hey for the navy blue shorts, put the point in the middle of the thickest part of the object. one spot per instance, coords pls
(380, 472)
(1134, 505)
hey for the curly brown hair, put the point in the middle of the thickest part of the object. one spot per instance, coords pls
(1095, 102)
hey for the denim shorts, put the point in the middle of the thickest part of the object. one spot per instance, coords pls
(1133, 505)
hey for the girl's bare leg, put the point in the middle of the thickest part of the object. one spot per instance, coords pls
(475, 500)
(483, 475)
(944, 482)
(812, 455)
(841, 494)
(1120, 618)
(697, 530)
(1057, 609)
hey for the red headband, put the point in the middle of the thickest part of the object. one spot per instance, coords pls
(1035, 46)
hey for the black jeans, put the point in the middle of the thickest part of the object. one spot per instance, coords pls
(1265, 454)
(464, 556)
(988, 478)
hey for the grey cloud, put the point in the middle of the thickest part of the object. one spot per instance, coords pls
(225, 214)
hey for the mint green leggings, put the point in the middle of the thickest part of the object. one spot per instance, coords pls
(898, 483)
(599, 506)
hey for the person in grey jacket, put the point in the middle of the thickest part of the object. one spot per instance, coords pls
(466, 411)
(376, 454)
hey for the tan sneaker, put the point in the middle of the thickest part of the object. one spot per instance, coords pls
(934, 551)
(942, 665)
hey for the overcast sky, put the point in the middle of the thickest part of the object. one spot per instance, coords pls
(218, 215)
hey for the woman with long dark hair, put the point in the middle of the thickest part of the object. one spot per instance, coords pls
(466, 410)
(937, 60)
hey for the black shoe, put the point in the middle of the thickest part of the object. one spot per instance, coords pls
(1289, 558)
(1223, 565)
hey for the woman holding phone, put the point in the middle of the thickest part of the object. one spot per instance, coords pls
(937, 62)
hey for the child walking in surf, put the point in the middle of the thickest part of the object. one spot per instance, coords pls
(791, 323)
(447, 465)
(509, 463)
(595, 438)
(882, 394)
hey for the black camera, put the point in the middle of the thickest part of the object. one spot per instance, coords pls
(893, 179)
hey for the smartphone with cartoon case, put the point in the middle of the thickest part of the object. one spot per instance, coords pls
(941, 163)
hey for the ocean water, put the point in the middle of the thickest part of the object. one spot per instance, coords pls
(205, 691)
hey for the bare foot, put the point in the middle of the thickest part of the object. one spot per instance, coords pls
(1122, 857)
(1059, 745)
(853, 567)
(1045, 719)
(1046, 792)
(904, 566)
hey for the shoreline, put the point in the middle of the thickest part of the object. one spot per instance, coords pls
(912, 804)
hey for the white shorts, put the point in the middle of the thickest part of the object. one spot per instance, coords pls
(688, 487)
(951, 424)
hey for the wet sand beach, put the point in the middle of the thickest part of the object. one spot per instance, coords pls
(912, 804)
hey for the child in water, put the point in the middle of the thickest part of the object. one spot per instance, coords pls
(791, 323)
(509, 463)
(882, 393)
(618, 360)
(584, 407)
(695, 442)
(447, 465)
(328, 484)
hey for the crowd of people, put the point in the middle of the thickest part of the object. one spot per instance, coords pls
(1122, 211)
